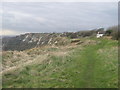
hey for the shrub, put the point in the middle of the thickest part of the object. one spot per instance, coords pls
(108, 32)
(113, 31)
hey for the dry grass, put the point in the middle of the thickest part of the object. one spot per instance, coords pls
(17, 59)
(13, 60)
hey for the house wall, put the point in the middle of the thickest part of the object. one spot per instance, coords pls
(99, 35)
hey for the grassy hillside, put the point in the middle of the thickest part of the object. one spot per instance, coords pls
(92, 63)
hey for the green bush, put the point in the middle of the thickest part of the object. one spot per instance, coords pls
(108, 32)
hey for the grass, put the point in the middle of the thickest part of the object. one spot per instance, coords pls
(87, 66)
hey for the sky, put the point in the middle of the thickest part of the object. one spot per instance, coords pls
(41, 17)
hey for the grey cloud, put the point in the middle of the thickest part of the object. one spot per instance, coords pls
(58, 17)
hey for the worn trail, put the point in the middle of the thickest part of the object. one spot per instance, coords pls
(90, 57)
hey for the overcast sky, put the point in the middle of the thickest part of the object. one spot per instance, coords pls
(22, 17)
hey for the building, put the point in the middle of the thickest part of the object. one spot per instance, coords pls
(99, 34)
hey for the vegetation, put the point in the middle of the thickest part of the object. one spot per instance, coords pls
(113, 31)
(90, 64)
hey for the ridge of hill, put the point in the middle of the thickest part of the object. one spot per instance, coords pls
(31, 40)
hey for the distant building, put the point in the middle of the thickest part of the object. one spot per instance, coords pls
(99, 34)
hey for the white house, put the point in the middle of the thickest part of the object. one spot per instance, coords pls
(99, 35)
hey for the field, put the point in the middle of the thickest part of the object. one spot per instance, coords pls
(89, 63)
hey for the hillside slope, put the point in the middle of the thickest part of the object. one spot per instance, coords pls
(90, 64)
(32, 40)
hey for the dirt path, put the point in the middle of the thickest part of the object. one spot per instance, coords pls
(90, 57)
